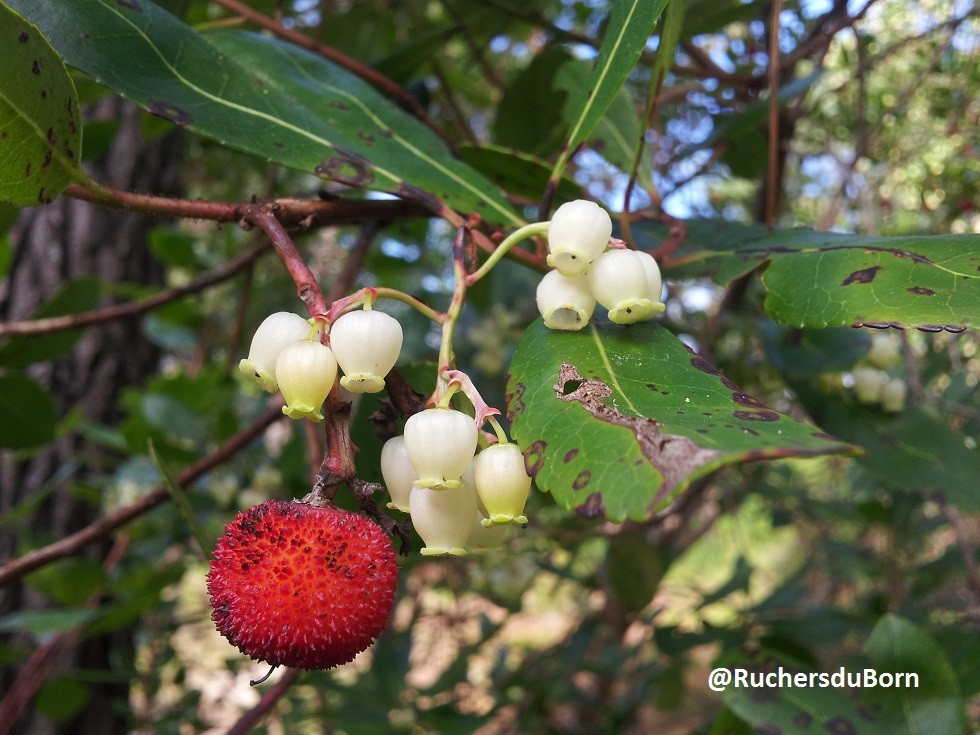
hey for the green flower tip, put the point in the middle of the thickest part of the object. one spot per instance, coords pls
(303, 411)
(395, 506)
(257, 376)
(630, 311)
(362, 383)
(500, 519)
(442, 551)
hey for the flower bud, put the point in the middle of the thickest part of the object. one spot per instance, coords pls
(305, 372)
(565, 302)
(397, 473)
(366, 345)
(444, 520)
(440, 444)
(618, 280)
(884, 352)
(502, 483)
(578, 232)
(274, 334)
(893, 395)
(867, 384)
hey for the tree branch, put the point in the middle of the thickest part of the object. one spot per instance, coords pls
(74, 543)
(292, 213)
(133, 308)
(272, 695)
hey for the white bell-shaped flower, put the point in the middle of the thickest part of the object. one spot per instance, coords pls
(397, 472)
(440, 443)
(274, 334)
(893, 395)
(486, 535)
(578, 232)
(618, 280)
(655, 283)
(306, 372)
(867, 384)
(885, 350)
(366, 345)
(502, 483)
(444, 520)
(565, 302)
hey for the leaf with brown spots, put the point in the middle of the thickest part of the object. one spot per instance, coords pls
(618, 421)
(39, 150)
(826, 279)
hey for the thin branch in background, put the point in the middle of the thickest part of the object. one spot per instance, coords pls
(134, 308)
(772, 176)
(307, 287)
(269, 700)
(75, 542)
(291, 212)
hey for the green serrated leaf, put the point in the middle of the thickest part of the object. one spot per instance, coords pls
(266, 97)
(27, 413)
(630, 24)
(619, 421)
(40, 128)
(824, 279)
(77, 295)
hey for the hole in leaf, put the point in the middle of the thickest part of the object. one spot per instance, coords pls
(570, 386)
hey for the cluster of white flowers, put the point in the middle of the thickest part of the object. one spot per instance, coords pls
(872, 384)
(457, 501)
(286, 354)
(626, 282)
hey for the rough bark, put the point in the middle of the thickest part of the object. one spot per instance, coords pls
(52, 244)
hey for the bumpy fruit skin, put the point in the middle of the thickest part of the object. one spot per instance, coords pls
(296, 585)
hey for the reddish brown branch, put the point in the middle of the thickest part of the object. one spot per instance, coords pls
(272, 695)
(133, 308)
(74, 543)
(376, 79)
(292, 213)
(307, 287)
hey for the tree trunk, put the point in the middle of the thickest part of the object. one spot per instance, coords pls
(53, 244)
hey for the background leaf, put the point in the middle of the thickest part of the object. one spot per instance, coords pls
(40, 132)
(821, 279)
(27, 413)
(618, 421)
(630, 24)
(265, 97)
